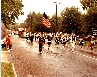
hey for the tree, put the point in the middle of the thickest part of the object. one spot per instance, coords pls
(53, 23)
(91, 15)
(86, 4)
(84, 29)
(91, 18)
(71, 21)
(10, 9)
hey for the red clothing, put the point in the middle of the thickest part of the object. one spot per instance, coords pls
(8, 41)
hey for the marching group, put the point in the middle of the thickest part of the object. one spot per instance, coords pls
(63, 39)
(41, 37)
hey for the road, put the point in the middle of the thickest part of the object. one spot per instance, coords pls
(56, 62)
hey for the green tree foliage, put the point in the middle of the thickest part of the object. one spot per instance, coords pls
(34, 21)
(91, 15)
(84, 29)
(29, 20)
(88, 3)
(53, 23)
(91, 18)
(71, 21)
(11, 9)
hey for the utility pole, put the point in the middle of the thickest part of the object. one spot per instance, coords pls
(56, 17)
(30, 22)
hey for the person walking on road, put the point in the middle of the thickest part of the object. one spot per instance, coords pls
(41, 43)
(27, 36)
(81, 42)
(57, 40)
(92, 43)
(73, 45)
(64, 41)
(31, 38)
(73, 41)
(49, 41)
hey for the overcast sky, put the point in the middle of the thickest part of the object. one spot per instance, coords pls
(47, 6)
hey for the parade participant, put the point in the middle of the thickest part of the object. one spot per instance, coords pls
(67, 39)
(73, 45)
(92, 43)
(73, 37)
(27, 36)
(81, 42)
(40, 43)
(57, 41)
(64, 41)
(73, 40)
(43, 37)
(35, 36)
(31, 38)
(49, 41)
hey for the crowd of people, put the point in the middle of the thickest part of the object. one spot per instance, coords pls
(58, 38)
(61, 38)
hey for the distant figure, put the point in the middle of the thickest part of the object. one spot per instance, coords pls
(81, 42)
(49, 41)
(64, 41)
(57, 41)
(92, 43)
(35, 37)
(73, 45)
(31, 38)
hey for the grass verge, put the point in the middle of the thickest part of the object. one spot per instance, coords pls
(7, 69)
(4, 49)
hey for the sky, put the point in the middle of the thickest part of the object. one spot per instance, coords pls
(47, 6)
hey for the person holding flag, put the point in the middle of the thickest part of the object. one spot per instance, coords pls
(45, 21)
(41, 42)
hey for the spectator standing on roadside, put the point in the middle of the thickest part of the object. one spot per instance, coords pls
(3, 43)
(8, 44)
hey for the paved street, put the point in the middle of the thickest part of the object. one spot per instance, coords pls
(58, 62)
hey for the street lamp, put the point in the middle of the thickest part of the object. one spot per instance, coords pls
(56, 16)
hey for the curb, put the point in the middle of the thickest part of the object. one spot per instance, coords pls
(14, 70)
(11, 63)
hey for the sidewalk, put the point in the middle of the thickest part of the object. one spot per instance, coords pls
(5, 58)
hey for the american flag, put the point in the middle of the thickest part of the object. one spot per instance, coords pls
(45, 21)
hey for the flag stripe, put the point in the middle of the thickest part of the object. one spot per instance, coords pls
(46, 22)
